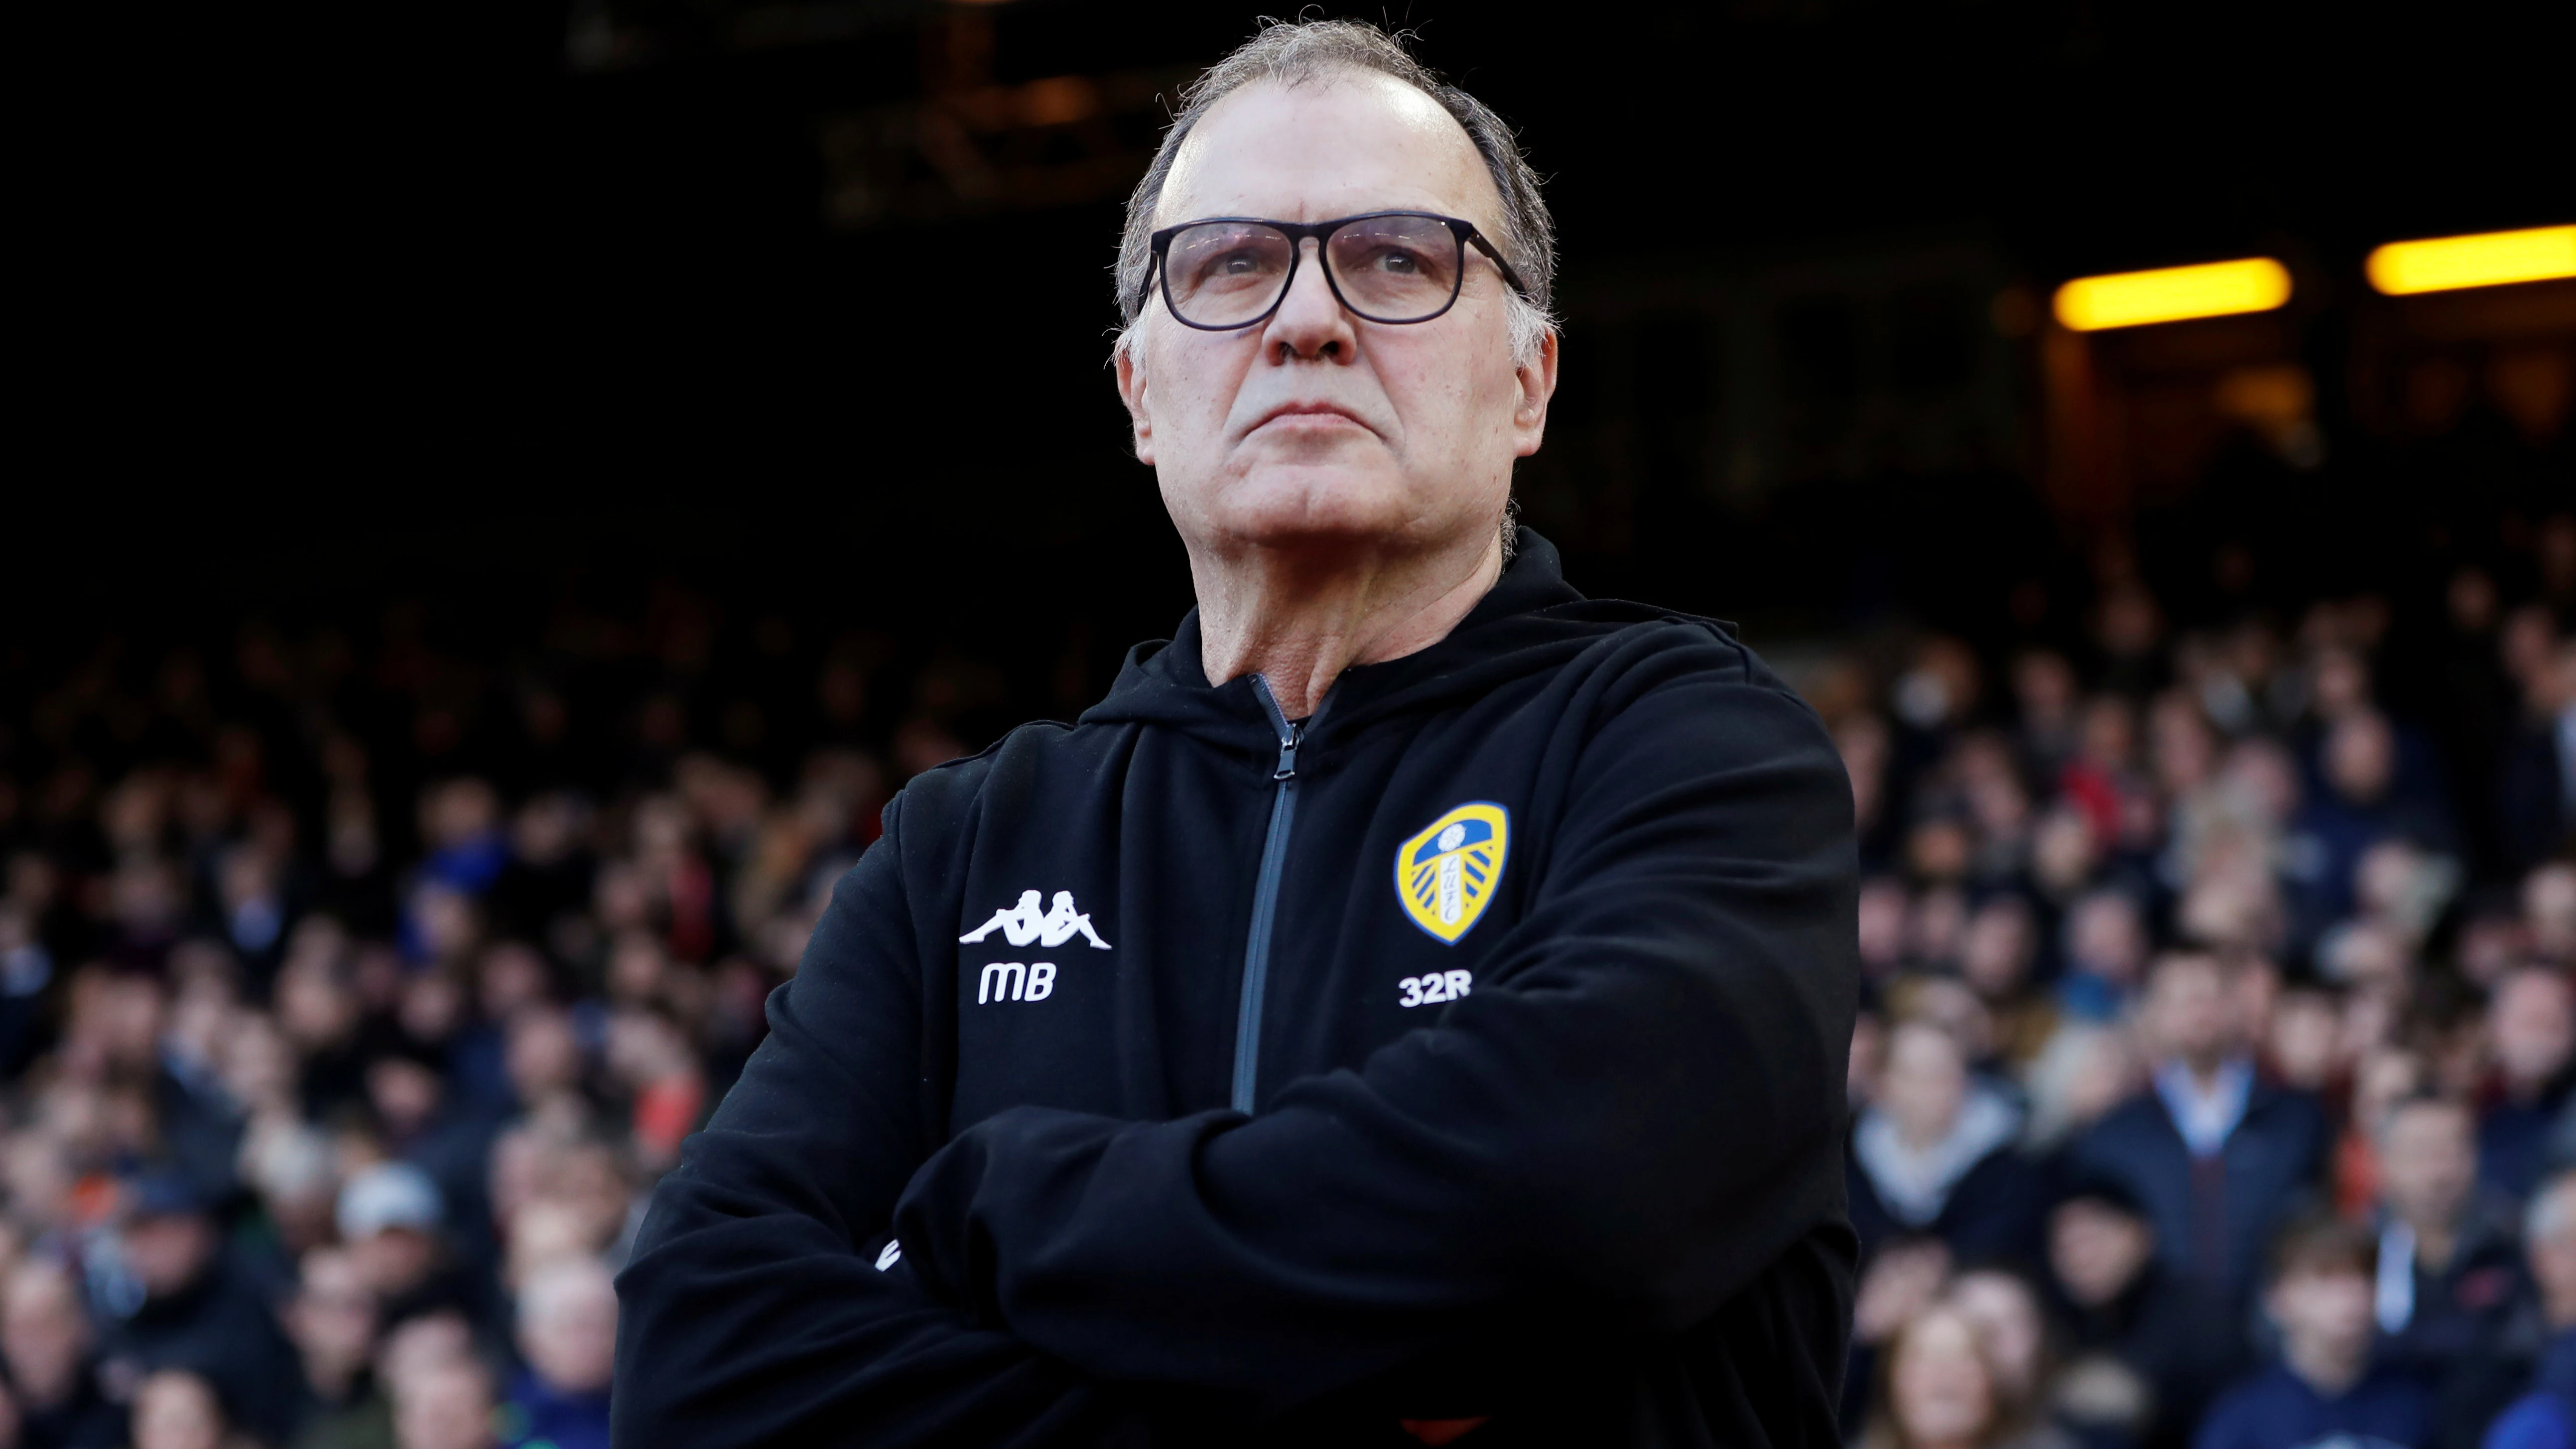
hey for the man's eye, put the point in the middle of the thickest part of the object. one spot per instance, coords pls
(1404, 263)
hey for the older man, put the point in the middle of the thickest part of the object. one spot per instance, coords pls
(1436, 1024)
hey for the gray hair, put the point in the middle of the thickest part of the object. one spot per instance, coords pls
(1304, 52)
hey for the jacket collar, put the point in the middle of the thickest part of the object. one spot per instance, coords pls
(1530, 621)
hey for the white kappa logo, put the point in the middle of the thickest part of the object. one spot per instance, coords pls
(1023, 924)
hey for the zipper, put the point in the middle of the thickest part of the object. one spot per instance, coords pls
(1265, 896)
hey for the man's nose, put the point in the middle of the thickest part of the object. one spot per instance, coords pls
(1310, 322)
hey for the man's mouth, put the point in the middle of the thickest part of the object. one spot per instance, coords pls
(1316, 415)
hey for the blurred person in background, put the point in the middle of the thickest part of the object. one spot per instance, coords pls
(46, 1340)
(200, 1307)
(2218, 1157)
(2324, 1384)
(2077, 1079)
(2448, 1253)
(2106, 955)
(176, 1409)
(2013, 1332)
(2531, 1030)
(568, 1339)
(392, 1219)
(1939, 1391)
(2142, 1359)
(2537, 781)
(1898, 1283)
(1935, 1154)
(2514, 1389)
(332, 1320)
(446, 1404)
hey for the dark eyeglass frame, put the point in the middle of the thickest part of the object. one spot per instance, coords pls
(1464, 231)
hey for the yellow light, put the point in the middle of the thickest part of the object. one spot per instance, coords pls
(2489, 259)
(2173, 294)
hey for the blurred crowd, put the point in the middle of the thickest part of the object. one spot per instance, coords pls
(2212, 1081)
(353, 992)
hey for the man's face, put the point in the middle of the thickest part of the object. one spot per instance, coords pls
(2533, 1023)
(2192, 1010)
(333, 1315)
(2428, 1163)
(1315, 428)
(167, 1251)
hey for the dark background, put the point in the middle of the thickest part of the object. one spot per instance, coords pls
(473, 309)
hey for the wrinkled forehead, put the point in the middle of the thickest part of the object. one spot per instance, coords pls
(1337, 145)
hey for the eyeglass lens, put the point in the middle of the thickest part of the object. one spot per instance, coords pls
(1388, 268)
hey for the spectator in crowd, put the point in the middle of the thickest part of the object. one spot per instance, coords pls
(2143, 1362)
(2217, 1157)
(176, 1409)
(2447, 1256)
(200, 1308)
(2012, 1332)
(1933, 1153)
(332, 1320)
(2531, 1019)
(392, 1217)
(568, 1337)
(2324, 1385)
(2106, 953)
(46, 1338)
(446, 1404)
(1939, 1392)
(2526, 1362)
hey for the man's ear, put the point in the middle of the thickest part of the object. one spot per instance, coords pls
(1537, 382)
(1131, 391)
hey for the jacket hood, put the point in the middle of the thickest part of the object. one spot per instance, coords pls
(1530, 621)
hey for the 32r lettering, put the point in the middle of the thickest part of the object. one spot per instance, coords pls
(1015, 981)
(1435, 986)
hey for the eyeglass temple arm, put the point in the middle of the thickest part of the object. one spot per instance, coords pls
(1500, 265)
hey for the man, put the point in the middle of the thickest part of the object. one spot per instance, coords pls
(567, 1336)
(2531, 1027)
(200, 1309)
(2142, 1363)
(393, 1220)
(2448, 1260)
(2325, 1388)
(332, 1321)
(46, 1344)
(1462, 1044)
(2533, 1353)
(2217, 1157)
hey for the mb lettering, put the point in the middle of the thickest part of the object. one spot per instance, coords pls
(1011, 981)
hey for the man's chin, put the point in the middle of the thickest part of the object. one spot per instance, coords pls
(1295, 508)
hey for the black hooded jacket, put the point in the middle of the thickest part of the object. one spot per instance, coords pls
(1471, 1050)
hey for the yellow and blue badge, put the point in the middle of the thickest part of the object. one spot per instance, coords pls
(1445, 876)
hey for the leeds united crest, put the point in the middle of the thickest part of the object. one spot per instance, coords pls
(1445, 876)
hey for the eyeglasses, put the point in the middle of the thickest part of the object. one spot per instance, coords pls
(1387, 266)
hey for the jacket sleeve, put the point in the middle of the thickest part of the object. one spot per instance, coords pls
(1635, 1111)
(753, 1311)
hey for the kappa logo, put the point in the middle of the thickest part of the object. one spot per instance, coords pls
(1024, 924)
(1445, 876)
